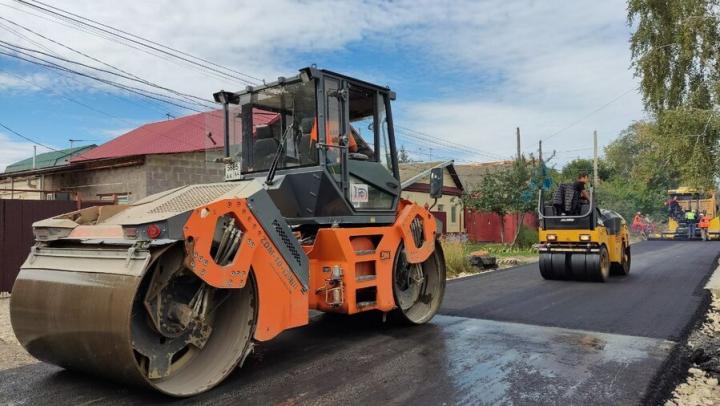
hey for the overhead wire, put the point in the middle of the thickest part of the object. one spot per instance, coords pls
(132, 38)
(26, 138)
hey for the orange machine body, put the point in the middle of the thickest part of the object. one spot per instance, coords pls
(350, 269)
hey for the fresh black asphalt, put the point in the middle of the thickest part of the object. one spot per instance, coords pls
(502, 337)
(657, 299)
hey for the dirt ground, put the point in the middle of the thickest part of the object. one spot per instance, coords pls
(701, 385)
(12, 355)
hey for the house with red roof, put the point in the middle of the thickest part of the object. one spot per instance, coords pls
(149, 159)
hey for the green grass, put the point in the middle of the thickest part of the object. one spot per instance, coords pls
(457, 251)
(456, 261)
(502, 250)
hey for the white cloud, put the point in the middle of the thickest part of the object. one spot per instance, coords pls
(534, 64)
(13, 151)
(17, 82)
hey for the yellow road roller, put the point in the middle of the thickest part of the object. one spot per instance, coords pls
(584, 244)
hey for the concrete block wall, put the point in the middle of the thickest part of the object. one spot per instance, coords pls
(167, 171)
(90, 183)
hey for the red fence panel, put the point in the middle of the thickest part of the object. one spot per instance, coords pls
(485, 227)
(16, 237)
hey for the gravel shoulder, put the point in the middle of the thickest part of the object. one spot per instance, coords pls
(12, 355)
(700, 386)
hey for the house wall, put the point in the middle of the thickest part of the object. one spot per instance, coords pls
(167, 171)
(156, 173)
(444, 204)
(90, 183)
(25, 184)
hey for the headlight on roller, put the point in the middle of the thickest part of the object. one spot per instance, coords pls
(584, 237)
(552, 237)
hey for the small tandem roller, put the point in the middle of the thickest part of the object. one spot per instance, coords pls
(588, 246)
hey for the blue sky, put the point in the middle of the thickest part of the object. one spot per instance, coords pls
(468, 72)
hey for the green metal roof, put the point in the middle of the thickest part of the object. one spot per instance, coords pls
(48, 159)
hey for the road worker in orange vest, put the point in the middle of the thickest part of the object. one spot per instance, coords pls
(704, 224)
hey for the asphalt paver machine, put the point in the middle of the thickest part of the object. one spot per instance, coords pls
(173, 291)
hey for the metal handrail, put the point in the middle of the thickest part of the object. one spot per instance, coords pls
(542, 216)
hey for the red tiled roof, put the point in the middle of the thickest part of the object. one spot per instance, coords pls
(184, 134)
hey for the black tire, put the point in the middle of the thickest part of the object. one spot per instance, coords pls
(600, 269)
(418, 304)
(579, 267)
(546, 269)
(622, 268)
(560, 266)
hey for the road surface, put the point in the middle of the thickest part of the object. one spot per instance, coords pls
(502, 337)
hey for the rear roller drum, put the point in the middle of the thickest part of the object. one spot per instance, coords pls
(622, 268)
(418, 289)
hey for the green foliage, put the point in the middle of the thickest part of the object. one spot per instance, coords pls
(628, 196)
(676, 52)
(526, 237)
(573, 168)
(456, 257)
(506, 191)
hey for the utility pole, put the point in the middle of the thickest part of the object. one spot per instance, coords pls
(540, 150)
(595, 159)
(34, 156)
(518, 143)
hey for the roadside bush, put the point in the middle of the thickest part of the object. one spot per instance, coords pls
(456, 256)
(526, 237)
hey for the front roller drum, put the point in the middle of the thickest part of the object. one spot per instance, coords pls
(575, 266)
(554, 266)
(143, 330)
(418, 289)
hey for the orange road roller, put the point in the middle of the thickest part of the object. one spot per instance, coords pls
(174, 291)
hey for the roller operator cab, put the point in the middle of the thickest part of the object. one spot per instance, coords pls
(584, 243)
(174, 291)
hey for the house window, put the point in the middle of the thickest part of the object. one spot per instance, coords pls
(440, 207)
(453, 214)
(118, 198)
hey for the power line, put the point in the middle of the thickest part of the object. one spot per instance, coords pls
(25, 137)
(135, 39)
(445, 143)
(15, 47)
(576, 122)
(148, 40)
(131, 89)
(124, 74)
(124, 98)
(81, 28)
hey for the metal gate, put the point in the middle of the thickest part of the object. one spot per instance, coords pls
(16, 237)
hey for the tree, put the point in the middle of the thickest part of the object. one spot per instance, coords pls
(505, 191)
(572, 169)
(403, 156)
(676, 52)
